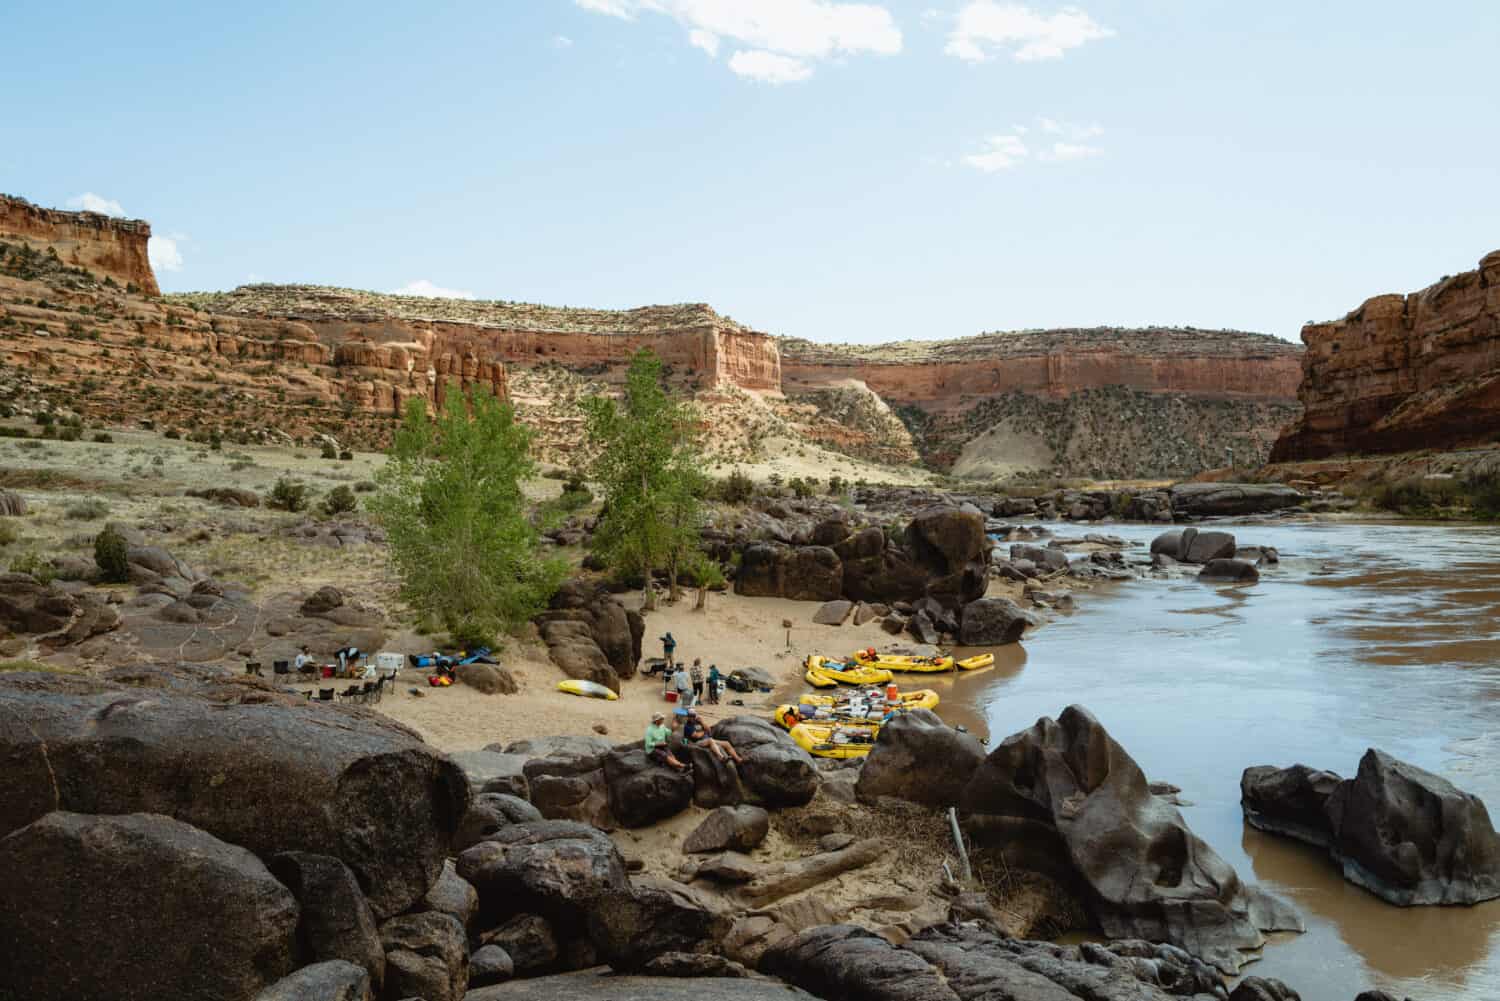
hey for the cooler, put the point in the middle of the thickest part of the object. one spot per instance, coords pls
(388, 664)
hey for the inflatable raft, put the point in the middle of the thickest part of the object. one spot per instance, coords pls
(844, 673)
(895, 662)
(835, 740)
(922, 698)
(588, 689)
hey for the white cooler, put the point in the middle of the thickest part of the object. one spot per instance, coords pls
(389, 663)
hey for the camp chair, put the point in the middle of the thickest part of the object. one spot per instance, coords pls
(349, 693)
(379, 687)
(253, 667)
(325, 695)
(281, 667)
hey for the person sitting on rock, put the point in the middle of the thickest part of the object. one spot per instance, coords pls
(657, 734)
(696, 735)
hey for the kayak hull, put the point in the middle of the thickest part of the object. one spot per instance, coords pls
(587, 689)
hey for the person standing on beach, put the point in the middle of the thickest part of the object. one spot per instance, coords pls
(697, 681)
(668, 648)
(715, 679)
(683, 684)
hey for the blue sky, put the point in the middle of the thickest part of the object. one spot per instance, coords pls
(844, 172)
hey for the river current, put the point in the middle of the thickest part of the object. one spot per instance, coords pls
(1366, 635)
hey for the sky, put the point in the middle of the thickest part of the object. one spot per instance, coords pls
(839, 171)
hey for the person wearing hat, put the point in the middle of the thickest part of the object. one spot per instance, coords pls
(696, 735)
(657, 734)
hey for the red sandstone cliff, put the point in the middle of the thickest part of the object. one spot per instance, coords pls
(112, 247)
(1403, 372)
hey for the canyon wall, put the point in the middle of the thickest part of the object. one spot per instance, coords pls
(100, 243)
(1403, 372)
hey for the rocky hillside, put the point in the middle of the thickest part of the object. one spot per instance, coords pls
(1404, 372)
(1102, 402)
(84, 330)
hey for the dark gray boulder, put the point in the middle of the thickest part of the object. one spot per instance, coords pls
(1263, 989)
(833, 613)
(335, 921)
(558, 869)
(1064, 795)
(992, 622)
(1291, 801)
(492, 771)
(602, 986)
(642, 792)
(1199, 500)
(129, 906)
(1205, 547)
(333, 980)
(814, 573)
(1229, 572)
(269, 776)
(843, 961)
(566, 777)
(655, 917)
(778, 772)
(453, 896)
(921, 759)
(487, 813)
(1412, 837)
(923, 629)
(1045, 558)
(529, 942)
(737, 828)
(490, 965)
(427, 956)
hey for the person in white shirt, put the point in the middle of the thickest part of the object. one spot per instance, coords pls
(303, 660)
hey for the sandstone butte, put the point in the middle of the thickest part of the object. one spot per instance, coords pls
(299, 360)
(1403, 372)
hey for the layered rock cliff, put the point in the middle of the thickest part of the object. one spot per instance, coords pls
(1403, 372)
(99, 243)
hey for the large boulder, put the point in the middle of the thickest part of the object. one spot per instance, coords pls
(452, 895)
(597, 985)
(946, 538)
(335, 921)
(729, 828)
(565, 776)
(1222, 571)
(590, 635)
(572, 647)
(1291, 801)
(334, 980)
(558, 869)
(1200, 500)
(489, 812)
(269, 776)
(50, 613)
(1064, 795)
(138, 906)
(654, 917)
(642, 792)
(778, 772)
(1048, 559)
(992, 622)
(427, 956)
(921, 759)
(490, 964)
(762, 570)
(529, 942)
(493, 771)
(814, 573)
(833, 613)
(1412, 837)
(1205, 547)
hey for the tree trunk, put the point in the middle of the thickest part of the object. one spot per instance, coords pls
(702, 598)
(674, 593)
(648, 597)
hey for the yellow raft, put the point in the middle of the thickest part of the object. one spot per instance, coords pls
(922, 698)
(835, 740)
(826, 715)
(588, 689)
(975, 662)
(821, 670)
(894, 662)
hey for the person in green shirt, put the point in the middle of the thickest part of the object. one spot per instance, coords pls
(657, 734)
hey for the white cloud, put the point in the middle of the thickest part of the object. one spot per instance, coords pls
(427, 290)
(705, 40)
(984, 27)
(562, 42)
(1071, 151)
(90, 202)
(1000, 153)
(1071, 130)
(768, 67)
(164, 253)
(781, 38)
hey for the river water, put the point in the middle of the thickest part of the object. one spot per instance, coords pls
(1366, 635)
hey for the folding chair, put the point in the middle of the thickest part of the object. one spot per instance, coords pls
(253, 667)
(281, 667)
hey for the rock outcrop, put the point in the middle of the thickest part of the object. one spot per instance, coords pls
(100, 243)
(921, 759)
(1403, 372)
(1403, 833)
(1064, 797)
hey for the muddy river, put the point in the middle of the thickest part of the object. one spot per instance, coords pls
(1365, 636)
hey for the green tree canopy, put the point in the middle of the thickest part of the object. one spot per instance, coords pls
(451, 502)
(648, 463)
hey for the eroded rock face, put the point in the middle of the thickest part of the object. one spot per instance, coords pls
(1291, 801)
(110, 246)
(921, 759)
(778, 772)
(1402, 372)
(642, 792)
(335, 921)
(161, 895)
(1412, 837)
(271, 777)
(735, 828)
(1064, 789)
(1203, 500)
(590, 635)
(427, 956)
(557, 869)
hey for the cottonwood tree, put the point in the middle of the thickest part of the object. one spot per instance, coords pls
(649, 465)
(452, 506)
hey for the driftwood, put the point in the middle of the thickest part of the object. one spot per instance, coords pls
(794, 877)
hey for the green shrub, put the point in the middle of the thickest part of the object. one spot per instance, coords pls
(36, 565)
(836, 486)
(800, 487)
(69, 433)
(89, 509)
(346, 455)
(364, 487)
(340, 500)
(44, 417)
(736, 488)
(288, 495)
(8, 534)
(172, 433)
(13, 433)
(103, 437)
(111, 555)
(330, 451)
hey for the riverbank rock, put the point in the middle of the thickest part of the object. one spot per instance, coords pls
(992, 622)
(554, 868)
(919, 758)
(489, 812)
(1203, 500)
(1189, 545)
(602, 986)
(833, 613)
(778, 772)
(729, 828)
(494, 771)
(335, 921)
(565, 777)
(1291, 801)
(334, 980)
(427, 956)
(1229, 572)
(642, 792)
(137, 906)
(590, 635)
(265, 775)
(1065, 790)
(1412, 837)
